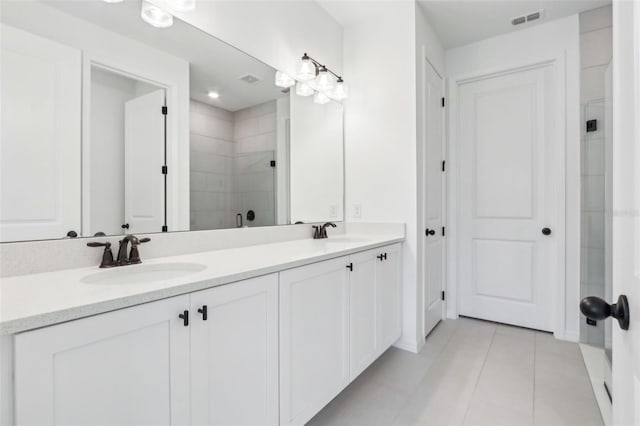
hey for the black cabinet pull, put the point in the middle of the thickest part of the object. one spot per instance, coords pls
(381, 257)
(385, 256)
(203, 311)
(125, 226)
(429, 232)
(350, 267)
(185, 318)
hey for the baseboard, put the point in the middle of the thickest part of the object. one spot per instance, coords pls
(409, 345)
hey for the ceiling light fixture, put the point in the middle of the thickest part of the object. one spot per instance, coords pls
(155, 16)
(182, 5)
(213, 94)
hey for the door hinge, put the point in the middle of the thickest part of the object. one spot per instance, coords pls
(273, 163)
(164, 228)
(165, 110)
(442, 294)
(165, 170)
(442, 102)
(443, 231)
(443, 165)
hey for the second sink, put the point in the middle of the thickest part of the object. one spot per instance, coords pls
(144, 273)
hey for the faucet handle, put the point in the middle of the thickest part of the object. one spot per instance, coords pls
(316, 232)
(140, 241)
(134, 254)
(107, 255)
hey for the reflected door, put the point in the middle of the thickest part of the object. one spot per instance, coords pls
(145, 183)
(40, 151)
(508, 163)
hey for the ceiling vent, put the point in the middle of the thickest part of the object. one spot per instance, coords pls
(528, 17)
(249, 78)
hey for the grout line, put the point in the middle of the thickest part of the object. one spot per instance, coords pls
(484, 363)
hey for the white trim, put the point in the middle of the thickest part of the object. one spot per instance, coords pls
(558, 62)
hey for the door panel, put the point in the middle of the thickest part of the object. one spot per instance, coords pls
(626, 210)
(120, 368)
(507, 266)
(433, 178)
(144, 203)
(40, 149)
(234, 354)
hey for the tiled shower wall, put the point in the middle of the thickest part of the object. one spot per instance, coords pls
(595, 55)
(231, 171)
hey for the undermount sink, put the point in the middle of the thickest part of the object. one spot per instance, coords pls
(143, 273)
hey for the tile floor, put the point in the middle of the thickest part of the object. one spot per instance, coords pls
(471, 372)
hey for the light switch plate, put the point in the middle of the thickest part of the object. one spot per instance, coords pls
(357, 211)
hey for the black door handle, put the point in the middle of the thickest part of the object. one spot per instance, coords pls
(597, 309)
(185, 318)
(546, 231)
(429, 232)
(203, 311)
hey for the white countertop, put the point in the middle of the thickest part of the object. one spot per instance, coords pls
(32, 301)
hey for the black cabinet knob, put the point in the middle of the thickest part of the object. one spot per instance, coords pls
(546, 231)
(597, 309)
(429, 232)
(125, 226)
(72, 234)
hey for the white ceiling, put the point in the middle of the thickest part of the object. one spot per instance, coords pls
(460, 22)
(214, 65)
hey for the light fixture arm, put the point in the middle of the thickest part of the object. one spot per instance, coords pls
(319, 65)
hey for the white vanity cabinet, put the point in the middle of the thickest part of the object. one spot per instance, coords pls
(120, 368)
(143, 366)
(314, 338)
(336, 318)
(234, 354)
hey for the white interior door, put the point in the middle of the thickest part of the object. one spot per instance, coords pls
(144, 202)
(507, 268)
(626, 209)
(40, 150)
(433, 220)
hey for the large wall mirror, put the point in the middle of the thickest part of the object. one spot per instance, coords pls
(111, 126)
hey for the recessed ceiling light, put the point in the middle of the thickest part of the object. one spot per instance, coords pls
(213, 94)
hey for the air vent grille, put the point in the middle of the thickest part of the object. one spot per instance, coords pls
(532, 16)
(249, 78)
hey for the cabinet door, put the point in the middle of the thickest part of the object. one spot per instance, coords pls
(363, 311)
(388, 291)
(314, 338)
(234, 354)
(127, 367)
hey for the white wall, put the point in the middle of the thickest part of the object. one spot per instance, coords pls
(380, 135)
(275, 32)
(556, 38)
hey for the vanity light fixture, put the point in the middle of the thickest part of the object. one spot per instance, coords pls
(315, 77)
(182, 5)
(321, 98)
(284, 80)
(308, 69)
(340, 92)
(155, 16)
(303, 89)
(213, 94)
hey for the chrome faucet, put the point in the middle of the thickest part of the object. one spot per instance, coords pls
(320, 232)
